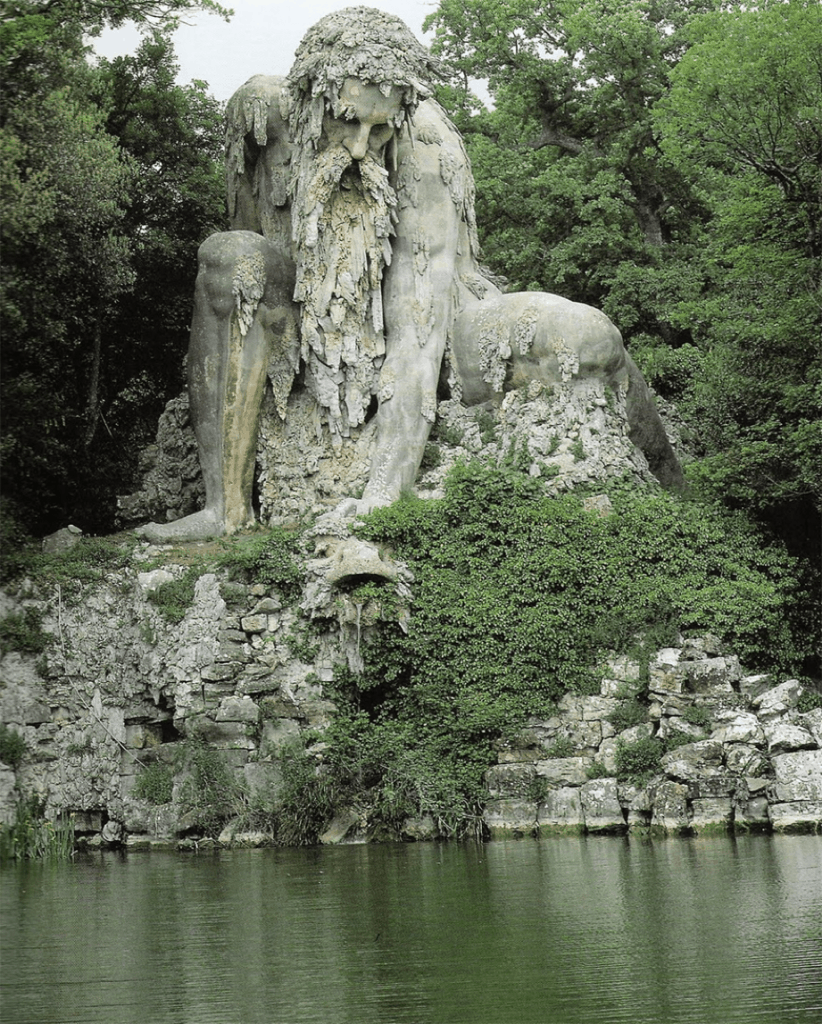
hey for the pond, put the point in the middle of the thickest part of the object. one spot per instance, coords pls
(571, 930)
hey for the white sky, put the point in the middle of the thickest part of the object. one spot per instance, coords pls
(260, 38)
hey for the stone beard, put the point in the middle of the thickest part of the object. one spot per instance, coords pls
(343, 217)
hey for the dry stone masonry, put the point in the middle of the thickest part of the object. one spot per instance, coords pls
(120, 690)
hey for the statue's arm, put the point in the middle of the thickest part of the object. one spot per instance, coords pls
(419, 291)
(258, 155)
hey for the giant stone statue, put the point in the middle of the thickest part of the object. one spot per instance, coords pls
(351, 272)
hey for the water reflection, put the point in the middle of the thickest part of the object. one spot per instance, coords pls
(570, 931)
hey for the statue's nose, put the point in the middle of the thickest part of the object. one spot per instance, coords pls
(357, 142)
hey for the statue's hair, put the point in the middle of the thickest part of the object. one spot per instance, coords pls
(357, 42)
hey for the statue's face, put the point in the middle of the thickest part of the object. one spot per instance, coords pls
(369, 119)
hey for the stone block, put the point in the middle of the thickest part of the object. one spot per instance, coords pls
(264, 780)
(636, 803)
(720, 786)
(812, 721)
(737, 727)
(560, 812)
(670, 807)
(711, 814)
(510, 818)
(570, 707)
(803, 817)
(713, 675)
(596, 709)
(601, 807)
(693, 761)
(220, 672)
(276, 734)
(798, 776)
(752, 815)
(606, 755)
(779, 700)
(622, 669)
(419, 830)
(225, 734)
(584, 737)
(783, 737)
(664, 672)
(755, 686)
(237, 709)
(254, 623)
(510, 781)
(563, 771)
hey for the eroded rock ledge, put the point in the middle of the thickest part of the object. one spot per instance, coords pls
(121, 690)
(734, 751)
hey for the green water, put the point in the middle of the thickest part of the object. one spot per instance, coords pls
(569, 931)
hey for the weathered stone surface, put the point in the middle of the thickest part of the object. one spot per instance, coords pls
(8, 795)
(693, 761)
(238, 709)
(510, 817)
(62, 540)
(796, 817)
(276, 734)
(598, 708)
(148, 582)
(254, 623)
(417, 830)
(784, 737)
(752, 814)
(798, 776)
(670, 807)
(664, 675)
(755, 686)
(744, 759)
(509, 781)
(778, 700)
(712, 675)
(710, 814)
(738, 727)
(561, 811)
(563, 771)
(601, 807)
(812, 721)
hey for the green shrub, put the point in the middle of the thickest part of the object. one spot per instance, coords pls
(561, 747)
(155, 783)
(273, 560)
(597, 770)
(809, 700)
(637, 762)
(698, 715)
(175, 597)
(12, 747)
(516, 597)
(23, 632)
(627, 714)
(211, 793)
(32, 837)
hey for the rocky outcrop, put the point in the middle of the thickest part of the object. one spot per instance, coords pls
(718, 751)
(567, 434)
(109, 713)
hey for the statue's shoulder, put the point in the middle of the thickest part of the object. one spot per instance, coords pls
(256, 109)
(433, 127)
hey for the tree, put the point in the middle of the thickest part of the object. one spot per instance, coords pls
(80, 246)
(576, 81)
(745, 114)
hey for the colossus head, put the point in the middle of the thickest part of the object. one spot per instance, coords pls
(357, 79)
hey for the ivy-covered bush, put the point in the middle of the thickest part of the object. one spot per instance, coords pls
(518, 595)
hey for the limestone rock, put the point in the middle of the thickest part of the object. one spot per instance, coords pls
(778, 700)
(670, 807)
(738, 727)
(601, 807)
(693, 761)
(564, 771)
(510, 817)
(711, 814)
(510, 781)
(798, 776)
(62, 540)
(784, 737)
(560, 811)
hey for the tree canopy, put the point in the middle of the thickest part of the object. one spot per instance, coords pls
(110, 178)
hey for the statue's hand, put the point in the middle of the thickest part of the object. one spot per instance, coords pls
(350, 508)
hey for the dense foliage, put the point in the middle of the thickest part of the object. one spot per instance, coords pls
(661, 159)
(517, 598)
(110, 178)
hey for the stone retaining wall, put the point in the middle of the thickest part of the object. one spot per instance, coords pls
(753, 763)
